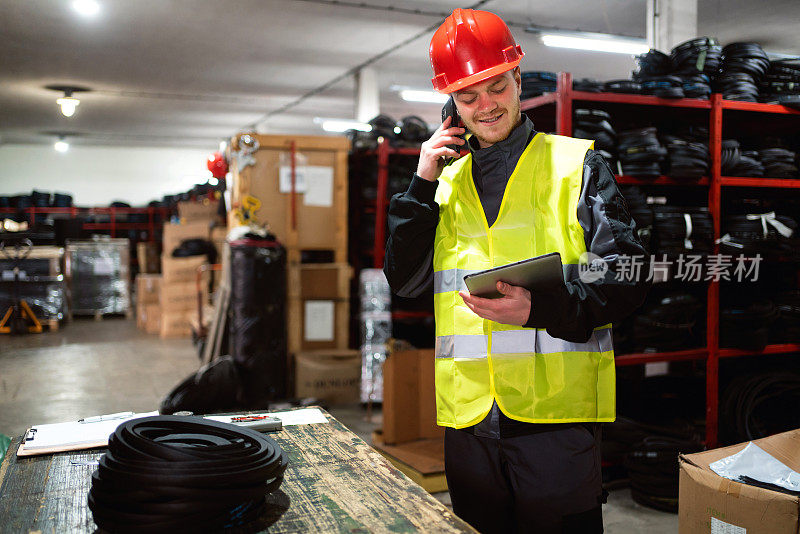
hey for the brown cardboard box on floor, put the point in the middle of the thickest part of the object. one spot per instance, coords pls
(331, 375)
(152, 318)
(180, 270)
(182, 296)
(409, 398)
(176, 324)
(175, 233)
(147, 256)
(709, 503)
(147, 288)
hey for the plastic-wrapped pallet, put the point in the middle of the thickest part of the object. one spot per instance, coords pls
(41, 283)
(376, 329)
(98, 273)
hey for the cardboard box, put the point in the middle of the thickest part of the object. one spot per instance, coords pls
(198, 210)
(331, 375)
(182, 296)
(176, 324)
(152, 318)
(175, 233)
(147, 257)
(710, 503)
(314, 324)
(409, 397)
(147, 288)
(180, 270)
(319, 280)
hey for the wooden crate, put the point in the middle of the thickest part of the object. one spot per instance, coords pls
(319, 280)
(307, 320)
(297, 223)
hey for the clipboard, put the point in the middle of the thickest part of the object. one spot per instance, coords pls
(541, 272)
(89, 433)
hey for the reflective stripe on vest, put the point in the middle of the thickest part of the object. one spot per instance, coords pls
(518, 342)
(533, 376)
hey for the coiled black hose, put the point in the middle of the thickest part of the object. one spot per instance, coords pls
(183, 474)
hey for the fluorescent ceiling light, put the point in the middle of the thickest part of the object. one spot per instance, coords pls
(617, 45)
(342, 125)
(68, 105)
(61, 146)
(86, 8)
(411, 95)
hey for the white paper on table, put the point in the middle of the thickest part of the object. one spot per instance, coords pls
(319, 186)
(72, 435)
(305, 416)
(754, 462)
(319, 320)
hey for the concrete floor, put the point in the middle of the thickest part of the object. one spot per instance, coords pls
(94, 367)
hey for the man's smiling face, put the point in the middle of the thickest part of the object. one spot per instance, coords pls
(490, 109)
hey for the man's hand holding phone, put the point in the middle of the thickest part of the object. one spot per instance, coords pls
(434, 150)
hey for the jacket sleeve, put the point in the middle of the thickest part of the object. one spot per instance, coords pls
(572, 311)
(413, 216)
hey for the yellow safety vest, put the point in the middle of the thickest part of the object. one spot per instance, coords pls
(534, 377)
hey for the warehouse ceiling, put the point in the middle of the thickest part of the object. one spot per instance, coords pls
(191, 73)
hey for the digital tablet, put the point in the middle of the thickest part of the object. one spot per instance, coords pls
(539, 272)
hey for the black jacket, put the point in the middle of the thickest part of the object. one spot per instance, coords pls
(572, 311)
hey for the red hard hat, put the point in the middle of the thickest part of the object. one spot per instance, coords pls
(471, 46)
(217, 165)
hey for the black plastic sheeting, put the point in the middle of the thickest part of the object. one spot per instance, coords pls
(257, 321)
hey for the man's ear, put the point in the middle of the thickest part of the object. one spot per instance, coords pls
(518, 80)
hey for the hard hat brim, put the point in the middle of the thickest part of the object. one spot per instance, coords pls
(477, 77)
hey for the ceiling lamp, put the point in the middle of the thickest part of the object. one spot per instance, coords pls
(412, 95)
(68, 104)
(342, 125)
(594, 42)
(86, 8)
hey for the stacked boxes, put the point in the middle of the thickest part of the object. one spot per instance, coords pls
(148, 308)
(179, 294)
(318, 331)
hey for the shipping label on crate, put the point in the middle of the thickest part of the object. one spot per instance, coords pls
(315, 181)
(319, 320)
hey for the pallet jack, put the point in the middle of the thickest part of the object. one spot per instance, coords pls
(19, 317)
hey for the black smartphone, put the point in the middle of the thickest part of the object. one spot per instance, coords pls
(450, 110)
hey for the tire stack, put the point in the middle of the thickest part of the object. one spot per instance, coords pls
(696, 62)
(781, 84)
(688, 159)
(535, 83)
(742, 68)
(596, 124)
(640, 211)
(738, 162)
(641, 153)
(778, 162)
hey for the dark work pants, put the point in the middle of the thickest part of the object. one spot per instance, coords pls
(549, 482)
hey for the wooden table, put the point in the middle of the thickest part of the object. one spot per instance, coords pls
(335, 482)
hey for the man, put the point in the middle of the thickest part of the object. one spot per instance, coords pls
(522, 382)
